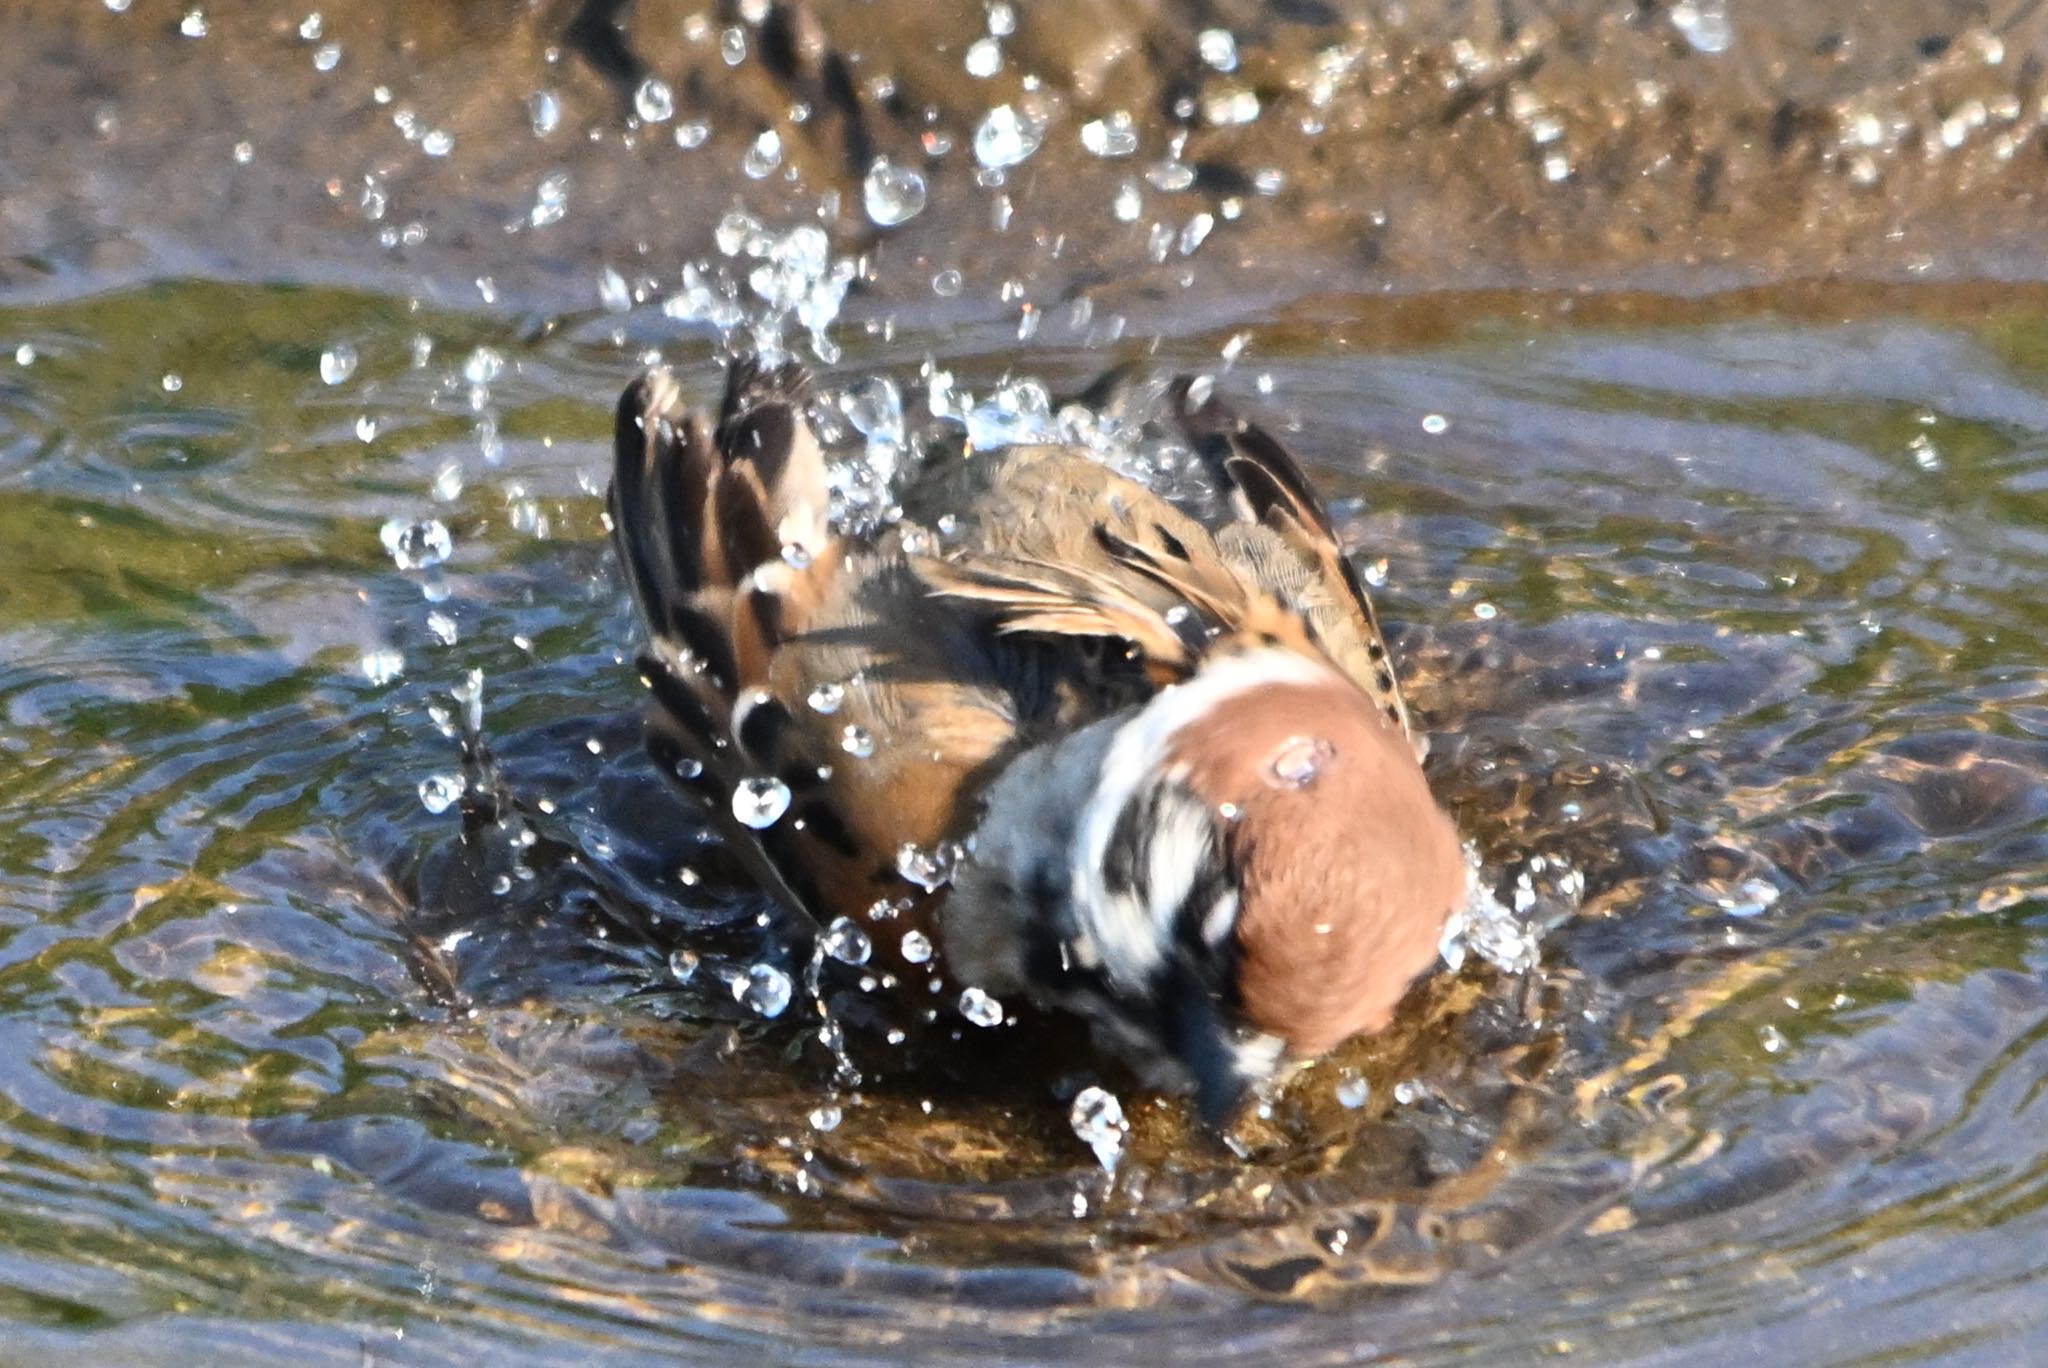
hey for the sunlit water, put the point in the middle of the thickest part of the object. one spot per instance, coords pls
(1737, 621)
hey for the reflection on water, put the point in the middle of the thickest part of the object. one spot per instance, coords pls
(1737, 620)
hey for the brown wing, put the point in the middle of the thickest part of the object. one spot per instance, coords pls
(754, 608)
(1270, 493)
(1058, 545)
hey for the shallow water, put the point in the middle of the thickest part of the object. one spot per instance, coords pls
(1730, 608)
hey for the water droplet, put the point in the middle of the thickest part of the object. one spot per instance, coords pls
(892, 194)
(1006, 137)
(682, 965)
(544, 112)
(366, 428)
(1772, 1039)
(1435, 424)
(193, 25)
(654, 102)
(763, 156)
(946, 284)
(337, 363)
(826, 1118)
(311, 27)
(846, 942)
(917, 947)
(1352, 1091)
(1230, 107)
(382, 667)
(25, 355)
(763, 989)
(613, 293)
(984, 58)
(443, 628)
(1098, 1120)
(416, 545)
(1195, 233)
(550, 200)
(1298, 761)
(760, 802)
(437, 142)
(857, 741)
(1128, 204)
(1218, 48)
(732, 45)
(1114, 135)
(327, 57)
(692, 135)
(1704, 24)
(119, 6)
(483, 366)
(928, 869)
(173, 382)
(439, 792)
(981, 1009)
(826, 698)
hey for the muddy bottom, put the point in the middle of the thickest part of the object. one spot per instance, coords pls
(1725, 616)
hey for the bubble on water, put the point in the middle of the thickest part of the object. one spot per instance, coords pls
(682, 965)
(826, 698)
(980, 1009)
(692, 135)
(845, 942)
(613, 292)
(928, 867)
(25, 355)
(193, 25)
(826, 1118)
(550, 200)
(1435, 424)
(1129, 202)
(1704, 24)
(1772, 1039)
(946, 284)
(857, 741)
(759, 802)
(1098, 1121)
(917, 947)
(1005, 137)
(763, 155)
(1353, 1091)
(1218, 48)
(892, 194)
(1113, 135)
(439, 792)
(172, 382)
(654, 102)
(337, 363)
(381, 667)
(416, 545)
(732, 45)
(437, 142)
(544, 112)
(763, 990)
(984, 58)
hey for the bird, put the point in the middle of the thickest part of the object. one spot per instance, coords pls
(1047, 736)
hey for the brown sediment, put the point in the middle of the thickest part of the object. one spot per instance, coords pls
(1572, 147)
